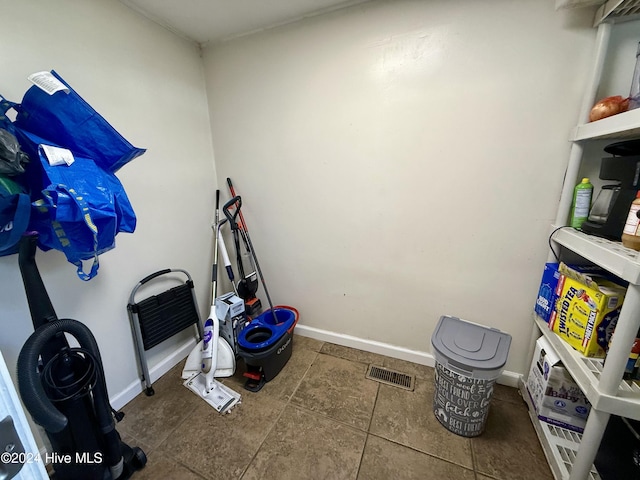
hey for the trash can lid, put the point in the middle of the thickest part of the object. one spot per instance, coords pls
(471, 345)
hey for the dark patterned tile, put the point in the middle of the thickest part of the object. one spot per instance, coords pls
(407, 418)
(507, 394)
(307, 343)
(304, 445)
(383, 460)
(338, 389)
(222, 446)
(310, 422)
(162, 465)
(352, 354)
(509, 449)
(151, 419)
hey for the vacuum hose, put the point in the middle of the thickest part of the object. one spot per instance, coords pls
(35, 398)
(31, 391)
(39, 302)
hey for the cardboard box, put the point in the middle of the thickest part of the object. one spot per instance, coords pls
(231, 317)
(547, 294)
(586, 312)
(229, 305)
(556, 398)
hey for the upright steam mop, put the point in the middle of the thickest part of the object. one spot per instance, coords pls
(213, 356)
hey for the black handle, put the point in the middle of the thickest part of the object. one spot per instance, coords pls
(217, 199)
(237, 201)
(154, 275)
(40, 305)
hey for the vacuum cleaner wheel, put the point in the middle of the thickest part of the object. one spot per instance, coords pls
(139, 459)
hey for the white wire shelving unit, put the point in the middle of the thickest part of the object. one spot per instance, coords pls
(560, 445)
(571, 455)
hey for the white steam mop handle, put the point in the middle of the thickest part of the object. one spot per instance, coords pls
(211, 349)
(207, 346)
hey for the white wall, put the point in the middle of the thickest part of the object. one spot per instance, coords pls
(401, 160)
(149, 84)
(398, 161)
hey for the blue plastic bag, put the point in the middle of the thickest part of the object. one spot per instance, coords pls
(78, 208)
(78, 212)
(67, 120)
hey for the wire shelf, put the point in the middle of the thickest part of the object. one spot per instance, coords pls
(618, 10)
(560, 445)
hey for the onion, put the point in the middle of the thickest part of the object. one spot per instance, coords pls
(608, 106)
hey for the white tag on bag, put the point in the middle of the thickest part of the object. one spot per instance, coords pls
(47, 82)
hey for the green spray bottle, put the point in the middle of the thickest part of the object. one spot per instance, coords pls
(581, 203)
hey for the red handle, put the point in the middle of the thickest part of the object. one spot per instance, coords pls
(241, 224)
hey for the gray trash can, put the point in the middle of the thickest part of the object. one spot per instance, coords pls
(469, 359)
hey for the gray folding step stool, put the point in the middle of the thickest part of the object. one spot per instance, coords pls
(159, 317)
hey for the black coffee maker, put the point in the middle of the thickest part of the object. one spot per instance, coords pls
(611, 206)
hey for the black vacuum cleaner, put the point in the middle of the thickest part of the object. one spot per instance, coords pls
(64, 389)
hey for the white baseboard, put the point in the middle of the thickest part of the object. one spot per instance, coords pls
(135, 388)
(372, 346)
(422, 358)
(510, 379)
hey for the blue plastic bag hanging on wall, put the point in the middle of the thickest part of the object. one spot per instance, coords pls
(81, 210)
(77, 207)
(64, 118)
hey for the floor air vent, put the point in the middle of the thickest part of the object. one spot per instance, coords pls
(390, 377)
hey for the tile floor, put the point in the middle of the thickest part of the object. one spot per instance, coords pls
(320, 418)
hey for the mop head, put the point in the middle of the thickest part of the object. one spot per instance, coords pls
(219, 396)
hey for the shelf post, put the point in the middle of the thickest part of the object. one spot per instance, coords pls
(621, 342)
(575, 157)
(602, 44)
(570, 176)
(619, 349)
(593, 432)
